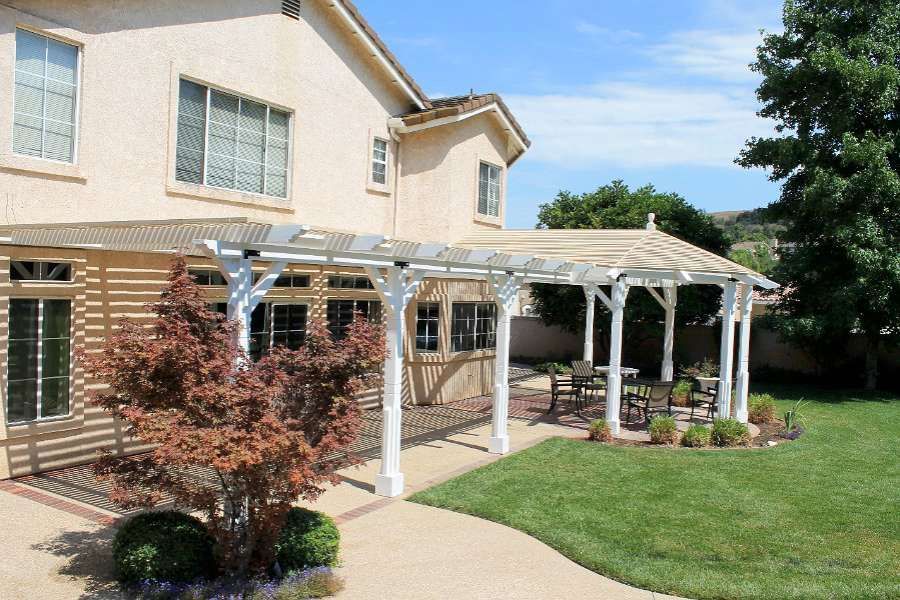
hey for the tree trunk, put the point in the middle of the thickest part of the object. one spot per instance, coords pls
(871, 363)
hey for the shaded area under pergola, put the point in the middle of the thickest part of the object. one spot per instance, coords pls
(605, 263)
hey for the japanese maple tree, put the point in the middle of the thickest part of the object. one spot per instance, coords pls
(235, 440)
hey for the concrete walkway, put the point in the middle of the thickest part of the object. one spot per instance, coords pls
(58, 548)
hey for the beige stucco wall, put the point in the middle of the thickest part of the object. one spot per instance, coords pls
(110, 285)
(132, 54)
(439, 168)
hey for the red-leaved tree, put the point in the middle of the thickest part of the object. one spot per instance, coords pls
(235, 440)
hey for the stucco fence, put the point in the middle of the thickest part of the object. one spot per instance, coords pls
(770, 358)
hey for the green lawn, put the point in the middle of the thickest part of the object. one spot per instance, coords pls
(814, 518)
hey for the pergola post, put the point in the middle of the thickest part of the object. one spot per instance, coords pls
(504, 288)
(396, 288)
(590, 297)
(742, 383)
(668, 301)
(726, 349)
(243, 296)
(671, 297)
(614, 380)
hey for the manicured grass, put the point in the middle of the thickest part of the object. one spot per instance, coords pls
(814, 518)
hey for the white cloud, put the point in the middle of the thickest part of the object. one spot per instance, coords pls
(719, 55)
(638, 125)
(613, 35)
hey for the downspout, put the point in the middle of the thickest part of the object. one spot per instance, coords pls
(396, 138)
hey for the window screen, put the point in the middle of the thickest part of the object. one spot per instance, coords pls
(46, 89)
(231, 142)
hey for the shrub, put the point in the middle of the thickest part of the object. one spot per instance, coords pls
(761, 408)
(166, 545)
(663, 430)
(560, 368)
(681, 393)
(696, 436)
(599, 431)
(308, 539)
(729, 433)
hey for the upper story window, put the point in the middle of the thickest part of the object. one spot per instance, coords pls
(231, 142)
(207, 277)
(46, 97)
(379, 161)
(292, 280)
(489, 189)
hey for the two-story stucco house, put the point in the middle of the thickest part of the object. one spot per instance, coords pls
(153, 119)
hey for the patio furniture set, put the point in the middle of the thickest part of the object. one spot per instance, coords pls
(644, 396)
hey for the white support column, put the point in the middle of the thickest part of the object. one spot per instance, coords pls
(590, 297)
(743, 366)
(726, 349)
(504, 288)
(396, 288)
(614, 379)
(239, 273)
(243, 296)
(671, 298)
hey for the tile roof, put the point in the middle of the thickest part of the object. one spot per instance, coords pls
(451, 106)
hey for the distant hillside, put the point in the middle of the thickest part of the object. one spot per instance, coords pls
(747, 225)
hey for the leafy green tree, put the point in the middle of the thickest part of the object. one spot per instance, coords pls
(615, 206)
(759, 258)
(831, 82)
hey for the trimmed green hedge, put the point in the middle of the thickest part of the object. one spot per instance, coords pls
(308, 539)
(165, 546)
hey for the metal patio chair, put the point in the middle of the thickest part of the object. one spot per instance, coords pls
(563, 386)
(704, 399)
(650, 397)
(592, 383)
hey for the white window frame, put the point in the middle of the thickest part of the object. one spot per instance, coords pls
(40, 363)
(474, 334)
(79, 49)
(437, 336)
(240, 96)
(69, 281)
(377, 185)
(500, 186)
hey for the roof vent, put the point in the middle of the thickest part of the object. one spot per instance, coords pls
(291, 8)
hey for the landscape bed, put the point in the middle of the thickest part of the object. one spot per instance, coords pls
(815, 518)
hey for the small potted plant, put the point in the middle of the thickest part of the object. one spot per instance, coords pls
(705, 372)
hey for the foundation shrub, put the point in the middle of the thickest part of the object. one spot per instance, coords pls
(696, 436)
(727, 433)
(599, 431)
(166, 546)
(663, 430)
(308, 539)
(761, 408)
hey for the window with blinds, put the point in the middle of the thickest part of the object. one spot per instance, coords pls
(489, 189)
(231, 142)
(46, 97)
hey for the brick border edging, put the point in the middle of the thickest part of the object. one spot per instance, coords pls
(45, 499)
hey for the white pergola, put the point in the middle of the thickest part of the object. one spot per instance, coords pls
(504, 259)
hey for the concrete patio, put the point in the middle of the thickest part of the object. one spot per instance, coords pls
(60, 524)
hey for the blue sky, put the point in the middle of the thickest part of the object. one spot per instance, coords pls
(648, 91)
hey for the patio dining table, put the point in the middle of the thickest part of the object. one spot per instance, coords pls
(626, 371)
